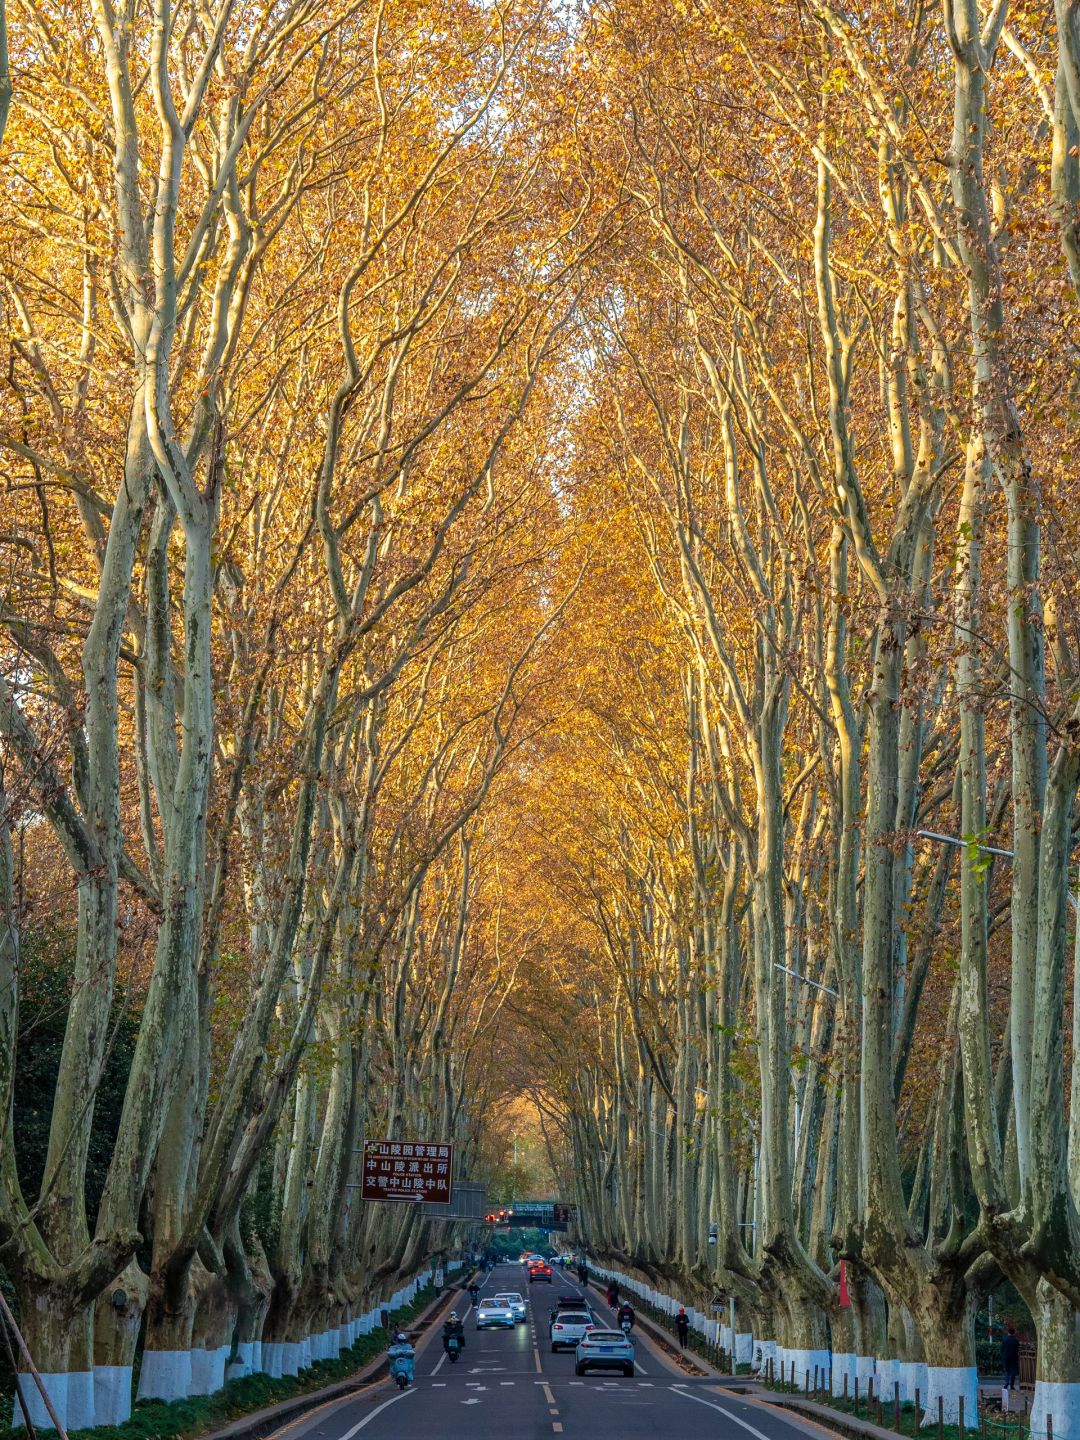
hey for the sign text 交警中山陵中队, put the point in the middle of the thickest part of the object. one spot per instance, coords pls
(408, 1170)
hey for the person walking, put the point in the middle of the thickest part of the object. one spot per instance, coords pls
(682, 1326)
(1010, 1362)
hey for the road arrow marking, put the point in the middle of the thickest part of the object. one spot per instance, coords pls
(471, 1402)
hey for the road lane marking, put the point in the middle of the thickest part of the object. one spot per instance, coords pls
(377, 1411)
(548, 1396)
(728, 1415)
(557, 1427)
(536, 1357)
(442, 1362)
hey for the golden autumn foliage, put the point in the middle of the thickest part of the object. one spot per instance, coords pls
(524, 527)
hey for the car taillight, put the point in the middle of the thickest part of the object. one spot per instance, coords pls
(558, 1327)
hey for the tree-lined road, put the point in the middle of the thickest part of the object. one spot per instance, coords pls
(509, 1384)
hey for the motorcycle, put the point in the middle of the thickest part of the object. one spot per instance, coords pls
(626, 1324)
(453, 1348)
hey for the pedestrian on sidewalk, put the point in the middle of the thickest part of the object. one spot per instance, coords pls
(682, 1326)
(1010, 1361)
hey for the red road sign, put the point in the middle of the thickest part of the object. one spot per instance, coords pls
(408, 1170)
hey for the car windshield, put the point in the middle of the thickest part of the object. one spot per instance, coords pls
(489, 1304)
(567, 1318)
(514, 1298)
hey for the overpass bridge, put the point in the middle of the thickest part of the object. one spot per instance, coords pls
(535, 1214)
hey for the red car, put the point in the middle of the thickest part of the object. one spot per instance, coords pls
(540, 1270)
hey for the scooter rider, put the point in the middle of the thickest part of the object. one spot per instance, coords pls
(626, 1316)
(402, 1359)
(474, 1293)
(453, 1326)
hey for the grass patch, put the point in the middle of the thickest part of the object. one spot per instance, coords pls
(159, 1420)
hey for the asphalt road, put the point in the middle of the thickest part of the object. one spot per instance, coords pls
(508, 1384)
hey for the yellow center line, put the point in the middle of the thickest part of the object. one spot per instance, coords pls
(548, 1396)
(536, 1357)
(556, 1425)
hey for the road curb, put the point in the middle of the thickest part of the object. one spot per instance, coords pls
(271, 1419)
(835, 1421)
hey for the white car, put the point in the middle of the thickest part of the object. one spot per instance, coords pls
(605, 1350)
(494, 1314)
(514, 1300)
(568, 1327)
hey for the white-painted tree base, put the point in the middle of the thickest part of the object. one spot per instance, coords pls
(80, 1400)
(804, 1366)
(843, 1365)
(744, 1347)
(208, 1370)
(865, 1369)
(271, 1358)
(1060, 1400)
(165, 1375)
(950, 1382)
(304, 1361)
(290, 1357)
(912, 1377)
(112, 1394)
(242, 1365)
(764, 1351)
(56, 1383)
(885, 1379)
